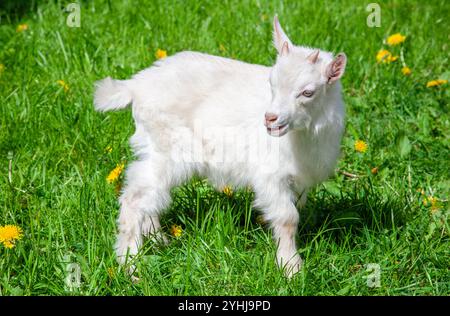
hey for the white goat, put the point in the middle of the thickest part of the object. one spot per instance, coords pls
(202, 114)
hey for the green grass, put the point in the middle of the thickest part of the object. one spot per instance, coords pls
(56, 144)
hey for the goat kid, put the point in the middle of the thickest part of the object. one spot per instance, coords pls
(277, 129)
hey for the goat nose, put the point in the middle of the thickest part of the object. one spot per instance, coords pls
(271, 117)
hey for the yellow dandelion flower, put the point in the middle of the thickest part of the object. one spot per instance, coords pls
(435, 83)
(21, 28)
(8, 244)
(111, 272)
(176, 230)
(421, 191)
(360, 146)
(160, 54)
(406, 71)
(431, 201)
(395, 39)
(108, 149)
(227, 191)
(382, 55)
(385, 56)
(115, 173)
(63, 84)
(9, 234)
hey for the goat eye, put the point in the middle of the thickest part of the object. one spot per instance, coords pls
(308, 93)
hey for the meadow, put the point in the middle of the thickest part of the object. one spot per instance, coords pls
(383, 215)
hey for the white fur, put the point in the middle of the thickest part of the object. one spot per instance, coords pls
(202, 114)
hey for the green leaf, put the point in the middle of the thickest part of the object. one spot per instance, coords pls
(403, 144)
(431, 229)
(344, 290)
(332, 188)
(16, 291)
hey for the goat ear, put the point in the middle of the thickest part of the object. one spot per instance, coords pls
(280, 39)
(336, 68)
(284, 49)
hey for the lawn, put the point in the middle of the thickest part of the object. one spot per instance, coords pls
(385, 212)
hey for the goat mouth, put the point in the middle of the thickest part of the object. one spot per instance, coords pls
(278, 130)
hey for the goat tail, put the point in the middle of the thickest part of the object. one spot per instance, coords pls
(111, 94)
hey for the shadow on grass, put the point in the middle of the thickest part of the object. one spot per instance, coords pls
(351, 212)
(15, 10)
(335, 215)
